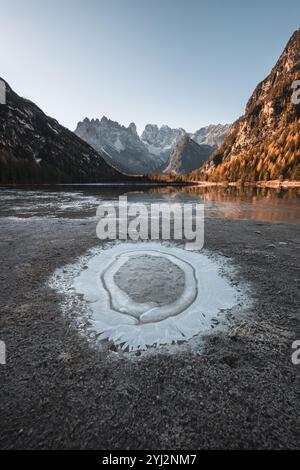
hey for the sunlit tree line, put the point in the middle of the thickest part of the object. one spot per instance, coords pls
(273, 159)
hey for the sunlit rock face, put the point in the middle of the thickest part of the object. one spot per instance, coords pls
(146, 294)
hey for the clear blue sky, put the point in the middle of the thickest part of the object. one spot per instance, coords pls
(185, 63)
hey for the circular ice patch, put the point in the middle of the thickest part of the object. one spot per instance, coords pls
(148, 294)
(163, 284)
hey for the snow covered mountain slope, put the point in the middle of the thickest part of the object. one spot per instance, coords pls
(120, 145)
(149, 153)
(213, 135)
(161, 141)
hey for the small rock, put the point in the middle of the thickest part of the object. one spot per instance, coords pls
(65, 357)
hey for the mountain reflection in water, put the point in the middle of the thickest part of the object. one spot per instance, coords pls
(77, 201)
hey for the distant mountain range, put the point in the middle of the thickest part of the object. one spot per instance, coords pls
(264, 144)
(35, 148)
(156, 150)
(120, 146)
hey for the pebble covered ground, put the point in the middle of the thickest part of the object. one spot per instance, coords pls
(57, 392)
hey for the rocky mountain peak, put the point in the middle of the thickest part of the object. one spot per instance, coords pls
(150, 132)
(213, 135)
(132, 128)
(290, 57)
(286, 68)
(120, 145)
(187, 155)
(104, 120)
(161, 140)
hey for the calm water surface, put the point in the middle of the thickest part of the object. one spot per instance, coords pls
(79, 201)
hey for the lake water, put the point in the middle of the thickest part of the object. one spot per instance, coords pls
(78, 201)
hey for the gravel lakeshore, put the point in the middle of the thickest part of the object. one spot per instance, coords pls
(58, 392)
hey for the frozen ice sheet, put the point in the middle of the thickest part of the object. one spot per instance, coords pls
(196, 292)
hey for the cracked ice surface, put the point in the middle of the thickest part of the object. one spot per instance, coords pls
(149, 294)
